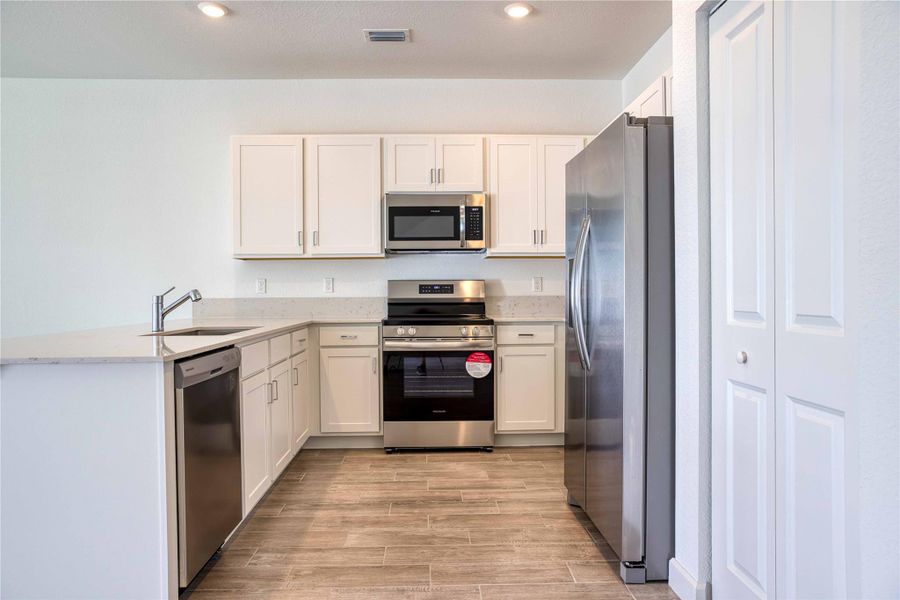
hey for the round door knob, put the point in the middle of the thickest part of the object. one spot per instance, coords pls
(412, 331)
(463, 330)
(742, 357)
(474, 331)
(400, 331)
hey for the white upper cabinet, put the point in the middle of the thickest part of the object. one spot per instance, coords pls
(343, 195)
(513, 195)
(267, 173)
(528, 193)
(450, 163)
(409, 163)
(651, 102)
(553, 154)
(459, 163)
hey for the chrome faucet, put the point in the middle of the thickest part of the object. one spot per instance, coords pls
(159, 313)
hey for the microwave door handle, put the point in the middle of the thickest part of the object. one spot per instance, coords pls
(462, 225)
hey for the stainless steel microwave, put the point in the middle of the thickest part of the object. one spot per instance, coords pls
(435, 222)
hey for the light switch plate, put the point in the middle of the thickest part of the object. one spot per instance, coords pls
(261, 285)
(537, 284)
(328, 285)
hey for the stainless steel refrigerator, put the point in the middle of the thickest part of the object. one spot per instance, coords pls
(620, 388)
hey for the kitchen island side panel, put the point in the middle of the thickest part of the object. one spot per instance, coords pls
(84, 471)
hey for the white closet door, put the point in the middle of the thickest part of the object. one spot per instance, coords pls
(743, 310)
(818, 123)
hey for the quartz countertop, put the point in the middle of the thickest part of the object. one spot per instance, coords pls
(131, 344)
(527, 318)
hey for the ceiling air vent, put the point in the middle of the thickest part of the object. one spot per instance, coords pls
(387, 35)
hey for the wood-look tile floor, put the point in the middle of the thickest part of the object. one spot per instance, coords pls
(362, 524)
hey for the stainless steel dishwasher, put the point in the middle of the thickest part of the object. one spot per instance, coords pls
(208, 439)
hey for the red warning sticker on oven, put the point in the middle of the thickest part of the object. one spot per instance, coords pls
(478, 364)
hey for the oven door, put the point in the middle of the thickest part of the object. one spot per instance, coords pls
(424, 227)
(438, 384)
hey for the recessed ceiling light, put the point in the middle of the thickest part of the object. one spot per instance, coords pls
(212, 9)
(517, 10)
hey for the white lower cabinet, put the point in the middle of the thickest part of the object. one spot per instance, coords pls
(349, 390)
(280, 423)
(526, 388)
(299, 400)
(255, 438)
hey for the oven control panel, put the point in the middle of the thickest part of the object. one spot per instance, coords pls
(474, 223)
(435, 288)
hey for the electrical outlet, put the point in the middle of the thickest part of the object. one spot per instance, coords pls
(261, 285)
(537, 284)
(328, 285)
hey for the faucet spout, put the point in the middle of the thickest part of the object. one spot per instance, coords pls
(160, 312)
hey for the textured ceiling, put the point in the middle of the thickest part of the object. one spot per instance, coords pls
(316, 39)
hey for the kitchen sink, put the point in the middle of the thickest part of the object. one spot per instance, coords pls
(202, 331)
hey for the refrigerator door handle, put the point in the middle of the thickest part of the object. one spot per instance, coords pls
(578, 293)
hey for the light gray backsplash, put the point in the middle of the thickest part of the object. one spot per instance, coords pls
(360, 307)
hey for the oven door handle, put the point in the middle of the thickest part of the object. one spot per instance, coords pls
(430, 345)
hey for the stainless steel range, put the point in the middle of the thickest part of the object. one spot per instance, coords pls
(438, 358)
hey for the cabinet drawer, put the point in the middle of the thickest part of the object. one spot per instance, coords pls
(525, 334)
(299, 341)
(348, 336)
(254, 358)
(279, 348)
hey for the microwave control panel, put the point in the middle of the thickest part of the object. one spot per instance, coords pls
(474, 223)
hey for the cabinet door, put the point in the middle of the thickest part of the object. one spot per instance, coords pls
(553, 154)
(280, 425)
(255, 438)
(513, 195)
(300, 401)
(349, 389)
(409, 164)
(651, 102)
(343, 191)
(267, 180)
(526, 389)
(460, 163)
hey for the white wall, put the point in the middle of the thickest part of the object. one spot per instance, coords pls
(113, 190)
(656, 61)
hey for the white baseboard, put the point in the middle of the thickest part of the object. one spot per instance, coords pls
(684, 584)
(501, 440)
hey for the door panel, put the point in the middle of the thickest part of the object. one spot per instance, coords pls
(349, 389)
(743, 339)
(409, 164)
(280, 418)
(460, 163)
(513, 198)
(553, 154)
(817, 126)
(651, 102)
(267, 176)
(344, 195)
(526, 392)
(255, 438)
(299, 401)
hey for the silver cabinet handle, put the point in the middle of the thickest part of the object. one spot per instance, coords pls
(300, 238)
(526, 335)
(431, 176)
(542, 237)
(374, 365)
(742, 357)
(534, 237)
(316, 237)
(296, 376)
(348, 337)
(274, 391)
(440, 175)
(500, 364)
(269, 385)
